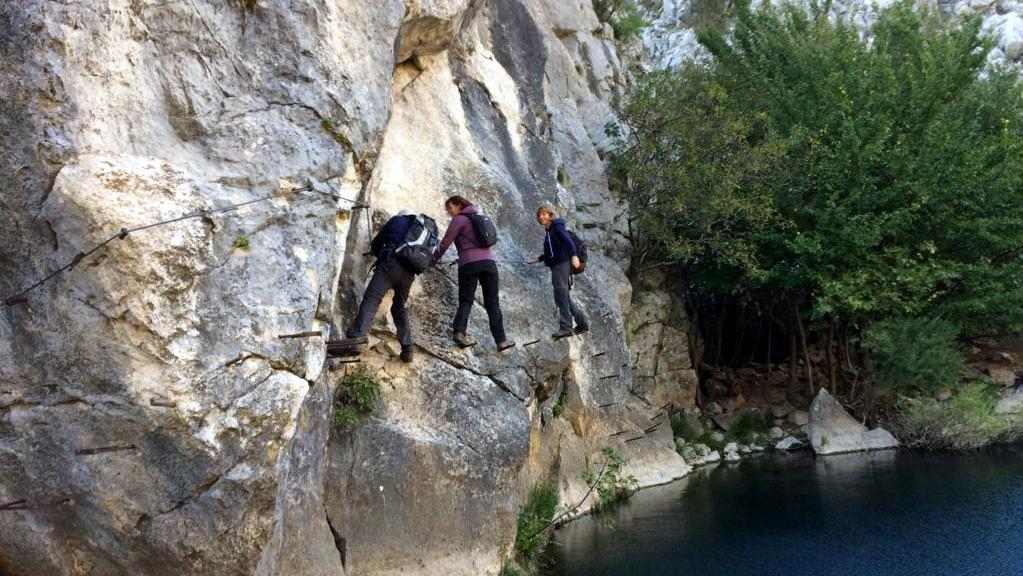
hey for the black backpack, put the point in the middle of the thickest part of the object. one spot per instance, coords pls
(416, 253)
(486, 231)
(580, 251)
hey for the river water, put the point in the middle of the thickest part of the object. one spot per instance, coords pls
(883, 514)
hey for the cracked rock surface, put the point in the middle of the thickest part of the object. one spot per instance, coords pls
(151, 420)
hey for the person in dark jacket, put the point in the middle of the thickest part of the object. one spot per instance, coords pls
(560, 255)
(388, 274)
(476, 266)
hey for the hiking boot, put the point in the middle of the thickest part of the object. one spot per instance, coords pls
(582, 329)
(462, 340)
(407, 354)
(502, 346)
(563, 333)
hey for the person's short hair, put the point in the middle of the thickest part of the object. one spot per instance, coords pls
(457, 201)
(547, 208)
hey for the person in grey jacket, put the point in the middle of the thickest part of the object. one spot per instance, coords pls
(561, 256)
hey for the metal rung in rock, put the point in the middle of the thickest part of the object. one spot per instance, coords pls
(310, 334)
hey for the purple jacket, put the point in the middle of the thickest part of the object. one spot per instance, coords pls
(461, 232)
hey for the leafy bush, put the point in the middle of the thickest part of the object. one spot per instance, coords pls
(623, 15)
(357, 395)
(965, 421)
(532, 536)
(747, 425)
(513, 569)
(242, 242)
(841, 177)
(608, 481)
(681, 428)
(914, 355)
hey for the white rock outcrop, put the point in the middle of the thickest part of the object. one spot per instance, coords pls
(833, 431)
(151, 420)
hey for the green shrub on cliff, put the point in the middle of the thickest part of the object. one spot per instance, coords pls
(357, 395)
(608, 481)
(623, 15)
(532, 536)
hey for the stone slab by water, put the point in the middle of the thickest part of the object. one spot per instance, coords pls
(889, 513)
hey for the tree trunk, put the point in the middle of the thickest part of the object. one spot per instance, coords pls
(767, 378)
(806, 352)
(793, 351)
(720, 332)
(696, 350)
(831, 358)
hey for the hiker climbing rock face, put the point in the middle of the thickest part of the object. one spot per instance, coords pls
(473, 235)
(565, 254)
(403, 248)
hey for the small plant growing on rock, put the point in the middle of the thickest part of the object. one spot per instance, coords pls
(681, 427)
(242, 243)
(535, 517)
(623, 15)
(559, 406)
(357, 395)
(608, 482)
(747, 425)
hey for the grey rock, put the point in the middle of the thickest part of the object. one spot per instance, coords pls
(1002, 375)
(833, 431)
(779, 411)
(798, 418)
(776, 433)
(216, 452)
(788, 443)
(717, 437)
(1010, 403)
(714, 409)
(731, 452)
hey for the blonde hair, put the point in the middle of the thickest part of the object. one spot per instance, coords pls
(548, 208)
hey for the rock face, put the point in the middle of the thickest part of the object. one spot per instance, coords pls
(833, 431)
(151, 419)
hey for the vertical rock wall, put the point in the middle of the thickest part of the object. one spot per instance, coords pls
(151, 420)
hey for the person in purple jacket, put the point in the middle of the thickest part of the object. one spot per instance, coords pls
(561, 256)
(476, 266)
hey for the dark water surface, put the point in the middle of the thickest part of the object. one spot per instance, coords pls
(884, 514)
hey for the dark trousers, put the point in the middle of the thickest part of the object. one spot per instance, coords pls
(388, 275)
(485, 274)
(561, 277)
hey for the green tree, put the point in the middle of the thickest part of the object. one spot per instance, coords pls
(845, 178)
(623, 15)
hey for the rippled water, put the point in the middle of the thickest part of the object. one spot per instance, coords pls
(885, 514)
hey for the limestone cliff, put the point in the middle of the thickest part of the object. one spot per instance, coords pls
(151, 419)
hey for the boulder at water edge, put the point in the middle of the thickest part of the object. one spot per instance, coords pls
(833, 431)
